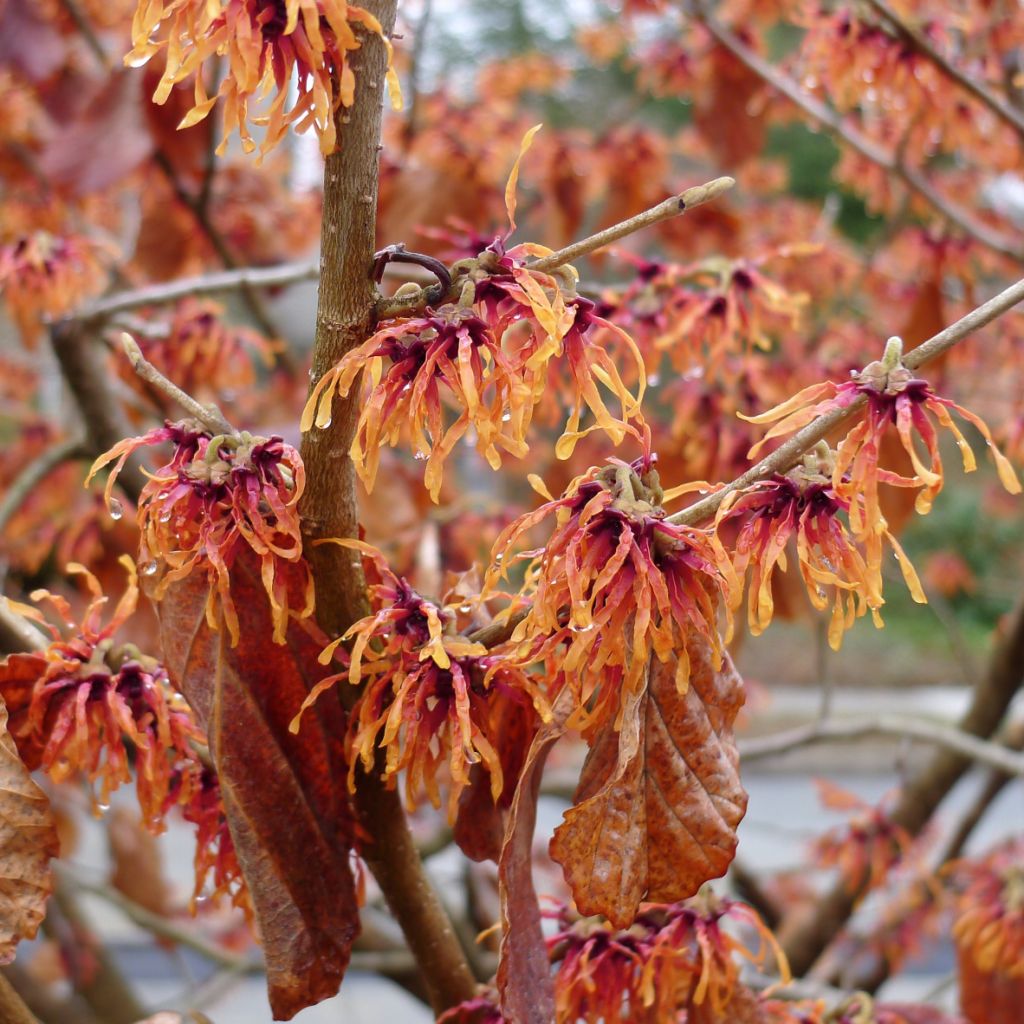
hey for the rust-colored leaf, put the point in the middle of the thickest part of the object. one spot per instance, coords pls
(284, 795)
(658, 802)
(524, 976)
(988, 997)
(28, 842)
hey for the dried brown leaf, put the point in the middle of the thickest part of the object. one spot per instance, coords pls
(28, 842)
(658, 803)
(284, 795)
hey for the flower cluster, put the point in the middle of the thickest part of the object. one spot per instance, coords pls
(674, 956)
(616, 584)
(711, 314)
(865, 849)
(43, 277)
(893, 399)
(200, 351)
(432, 700)
(498, 354)
(989, 926)
(268, 44)
(804, 506)
(79, 707)
(216, 496)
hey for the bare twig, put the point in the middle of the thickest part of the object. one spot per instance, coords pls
(674, 206)
(994, 755)
(209, 415)
(207, 284)
(35, 472)
(999, 106)
(12, 1007)
(862, 144)
(17, 633)
(87, 32)
(788, 454)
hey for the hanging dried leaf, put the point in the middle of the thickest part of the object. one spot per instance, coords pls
(28, 841)
(658, 802)
(524, 975)
(284, 795)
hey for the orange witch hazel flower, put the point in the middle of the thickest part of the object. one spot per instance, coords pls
(412, 366)
(989, 925)
(43, 276)
(216, 496)
(431, 698)
(269, 44)
(895, 397)
(74, 705)
(615, 584)
(804, 506)
(674, 956)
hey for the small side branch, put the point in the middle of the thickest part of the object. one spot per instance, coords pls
(674, 206)
(977, 89)
(209, 415)
(994, 755)
(35, 472)
(862, 144)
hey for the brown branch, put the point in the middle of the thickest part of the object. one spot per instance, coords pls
(169, 292)
(12, 1007)
(968, 746)
(34, 473)
(345, 318)
(209, 416)
(85, 372)
(87, 32)
(999, 106)
(856, 140)
(807, 934)
(788, 454)
(197, 206)
(674, 206)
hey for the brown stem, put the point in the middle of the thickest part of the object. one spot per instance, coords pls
(805, 936)
(345, 318)
(12, 1007)
(856, 140)
(999, 106)
(84, 369)
(34, 473)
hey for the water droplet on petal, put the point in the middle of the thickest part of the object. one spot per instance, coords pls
(499, 557)
(116, 509)
(465, 608)
(102, 808)
(653, 380)
(507, 418)
(420, 456)
(150, 568)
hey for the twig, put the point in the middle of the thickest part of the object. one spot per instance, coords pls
(207, 284)
(964, 744)
(865, 146)
(419, 36)
(86, 31)
(789, 453)
(84, 369)
(209, 415)
(12, 1007)
(35, 472)
(197, 206)
(807, 932)
(674, 206)
(1000, 107)
(17, 634)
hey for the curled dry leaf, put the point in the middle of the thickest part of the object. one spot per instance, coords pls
(659, 801)
(524, 976)
(284, 795)
(28, 841)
